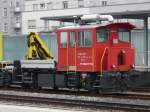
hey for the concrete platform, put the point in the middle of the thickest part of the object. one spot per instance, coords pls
(14, 108)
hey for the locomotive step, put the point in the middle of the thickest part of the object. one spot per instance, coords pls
(70, 72)
(17, 82)
(19, 75)
(97, 86)
(27, 78)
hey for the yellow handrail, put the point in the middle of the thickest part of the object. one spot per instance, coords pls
(93, 59)
(75, 56)
(67, 63)
(102, 60)
(1, 47)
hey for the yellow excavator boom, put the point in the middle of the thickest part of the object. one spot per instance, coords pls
(36, 48)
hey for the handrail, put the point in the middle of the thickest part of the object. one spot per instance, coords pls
(101, 65)
(93, 58)
(67, 62)
(75, 56)
(1, 46)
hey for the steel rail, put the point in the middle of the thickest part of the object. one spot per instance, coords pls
(127, 95)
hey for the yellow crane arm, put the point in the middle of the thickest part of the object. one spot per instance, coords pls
(36, 48)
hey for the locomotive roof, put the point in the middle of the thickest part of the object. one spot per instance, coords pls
(120, 25)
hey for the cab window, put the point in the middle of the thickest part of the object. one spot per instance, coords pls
(72, 39)
(85, 38)
(102, 35)
(124, 35)
(63, 39)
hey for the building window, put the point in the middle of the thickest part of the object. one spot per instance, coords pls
(11, 4)
(63, 39)
(49, 6)
(5, 12)
(17, 4)
(17, 19)
(35, 7)
(31, 24)
(104, 3)
(4, 0)
(17, 32)
(80, 3)
(85, 39)
(42, 6)
(5, 27)
(65, 4)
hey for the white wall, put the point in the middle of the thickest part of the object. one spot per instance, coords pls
(29, 4)
(39, 14)
(57, 4)
(112, 2)
(57, 10)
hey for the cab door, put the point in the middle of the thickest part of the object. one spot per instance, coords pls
(62, 51)
(66, 51)
(85, 50)
(72, 51)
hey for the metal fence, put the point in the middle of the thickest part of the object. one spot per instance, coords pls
(15, 48)
(138, 42)
(140, 58)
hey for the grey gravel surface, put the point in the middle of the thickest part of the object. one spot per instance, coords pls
(27, 107)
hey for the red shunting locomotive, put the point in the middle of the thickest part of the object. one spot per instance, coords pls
(95, 48)
(97, 53)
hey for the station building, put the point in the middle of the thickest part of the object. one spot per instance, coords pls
(37, 9)
(11, 17)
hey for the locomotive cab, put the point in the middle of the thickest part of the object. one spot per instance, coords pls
(95, 48)
(114, 42)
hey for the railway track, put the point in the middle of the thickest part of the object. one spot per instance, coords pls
(126, 95)
(141, 89)
(8, 96)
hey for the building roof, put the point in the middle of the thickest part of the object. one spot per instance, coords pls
(62, 18)
(108, 25)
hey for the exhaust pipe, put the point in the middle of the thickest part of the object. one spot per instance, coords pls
(106, 17)
(97, 17)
